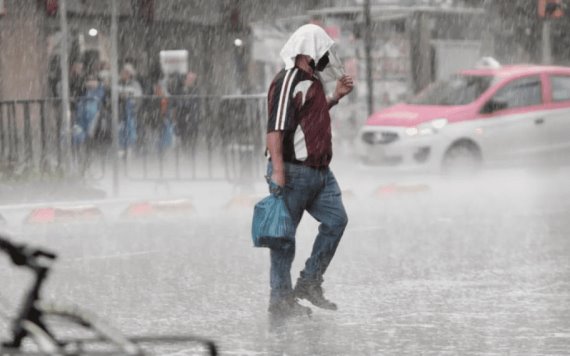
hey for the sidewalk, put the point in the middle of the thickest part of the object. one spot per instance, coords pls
(64, 202)
(19, 193)
(69, 202)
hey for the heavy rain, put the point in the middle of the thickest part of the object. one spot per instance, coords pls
(137, 136)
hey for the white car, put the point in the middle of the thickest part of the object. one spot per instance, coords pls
(515, 114)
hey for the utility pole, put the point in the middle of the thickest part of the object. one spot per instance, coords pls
(65, 134)
(368, 56)
(546, 42)
(114, 98)
(548, 10)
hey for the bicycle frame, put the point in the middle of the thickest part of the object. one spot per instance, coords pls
(30, 320)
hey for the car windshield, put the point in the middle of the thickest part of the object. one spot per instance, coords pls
(458, 90)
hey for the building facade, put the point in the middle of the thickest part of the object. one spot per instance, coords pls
(215, 34)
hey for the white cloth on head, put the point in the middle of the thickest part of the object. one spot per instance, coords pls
(310, 40)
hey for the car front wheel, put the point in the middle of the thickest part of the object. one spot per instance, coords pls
(462, 158)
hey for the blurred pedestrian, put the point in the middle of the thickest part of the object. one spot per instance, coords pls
(54, 75)
(187, 110)
(87, 110)
(76, 84)
(86, 119)
(130, 92)
(299, 143)
(157, 112)
(103, 136)
(76, 80)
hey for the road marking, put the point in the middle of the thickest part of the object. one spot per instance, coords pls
(67, 203)
(366, 228)
(121, 255)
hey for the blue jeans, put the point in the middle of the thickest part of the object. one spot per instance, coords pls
(128, 123)
(317, 192)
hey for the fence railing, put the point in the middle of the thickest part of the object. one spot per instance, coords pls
(160, 138)
(29, 135)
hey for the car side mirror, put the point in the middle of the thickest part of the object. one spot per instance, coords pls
(494, 105)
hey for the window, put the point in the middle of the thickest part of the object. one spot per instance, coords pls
(458, 90)
(560, 88)
(520, 93)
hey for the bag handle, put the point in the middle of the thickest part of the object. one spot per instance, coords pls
(274, 188)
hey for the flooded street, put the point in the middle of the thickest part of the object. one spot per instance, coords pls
(134, 139)
(426, 266)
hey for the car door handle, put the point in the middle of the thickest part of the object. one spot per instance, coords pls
(539, 121)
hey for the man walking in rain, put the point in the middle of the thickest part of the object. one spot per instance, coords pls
(299, 143)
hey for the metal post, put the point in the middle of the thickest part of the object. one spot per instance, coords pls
(546, 42)
(13, 132)
(65, 133)
(424, 70)
(29, 155)
(43, 137)
(368, 54)
(114, 98)
(2, 136)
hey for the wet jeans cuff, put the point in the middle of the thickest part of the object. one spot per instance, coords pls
(280, 294)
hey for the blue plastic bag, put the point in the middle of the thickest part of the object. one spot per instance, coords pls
(272, 225)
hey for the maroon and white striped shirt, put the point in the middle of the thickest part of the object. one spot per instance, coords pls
(297, 105)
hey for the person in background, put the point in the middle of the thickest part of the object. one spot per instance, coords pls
(103, 136)
(76, 84)
(54, 75)
(76, 80)
(130, 92)
(157, 110)
(87, 119)
(186, 109)
(88, 109)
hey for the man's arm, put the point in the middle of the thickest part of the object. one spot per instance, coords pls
(332, 100)
(343, 86)
(275, 147)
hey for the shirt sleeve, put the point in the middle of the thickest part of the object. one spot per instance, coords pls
(281, 108)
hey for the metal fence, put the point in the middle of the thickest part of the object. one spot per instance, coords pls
(29, 139)
(172, 138)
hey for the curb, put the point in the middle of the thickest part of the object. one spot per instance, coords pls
(242, 201)
(38, 214)
(160, 208)
(50, 215)
(393, 189)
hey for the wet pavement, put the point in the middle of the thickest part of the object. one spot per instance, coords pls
(426, 267)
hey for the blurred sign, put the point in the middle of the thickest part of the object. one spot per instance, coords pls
(551, 9)
(392, 59)
(267, 43)
(452, 56)
(174, 61)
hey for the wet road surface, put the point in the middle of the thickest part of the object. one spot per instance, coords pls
(440, 267)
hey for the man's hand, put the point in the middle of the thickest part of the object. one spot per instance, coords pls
(343, 86)
(279, 178)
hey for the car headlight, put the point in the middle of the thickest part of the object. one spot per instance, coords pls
(373, 137)
(379, 137)
(428, 128)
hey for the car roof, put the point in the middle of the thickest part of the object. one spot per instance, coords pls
(518, 70)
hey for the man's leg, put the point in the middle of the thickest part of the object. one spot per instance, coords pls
(329, 210)
(280, 273)
(282, 301)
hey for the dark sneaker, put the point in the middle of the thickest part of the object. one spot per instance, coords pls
(288, 307)
(314, 293)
